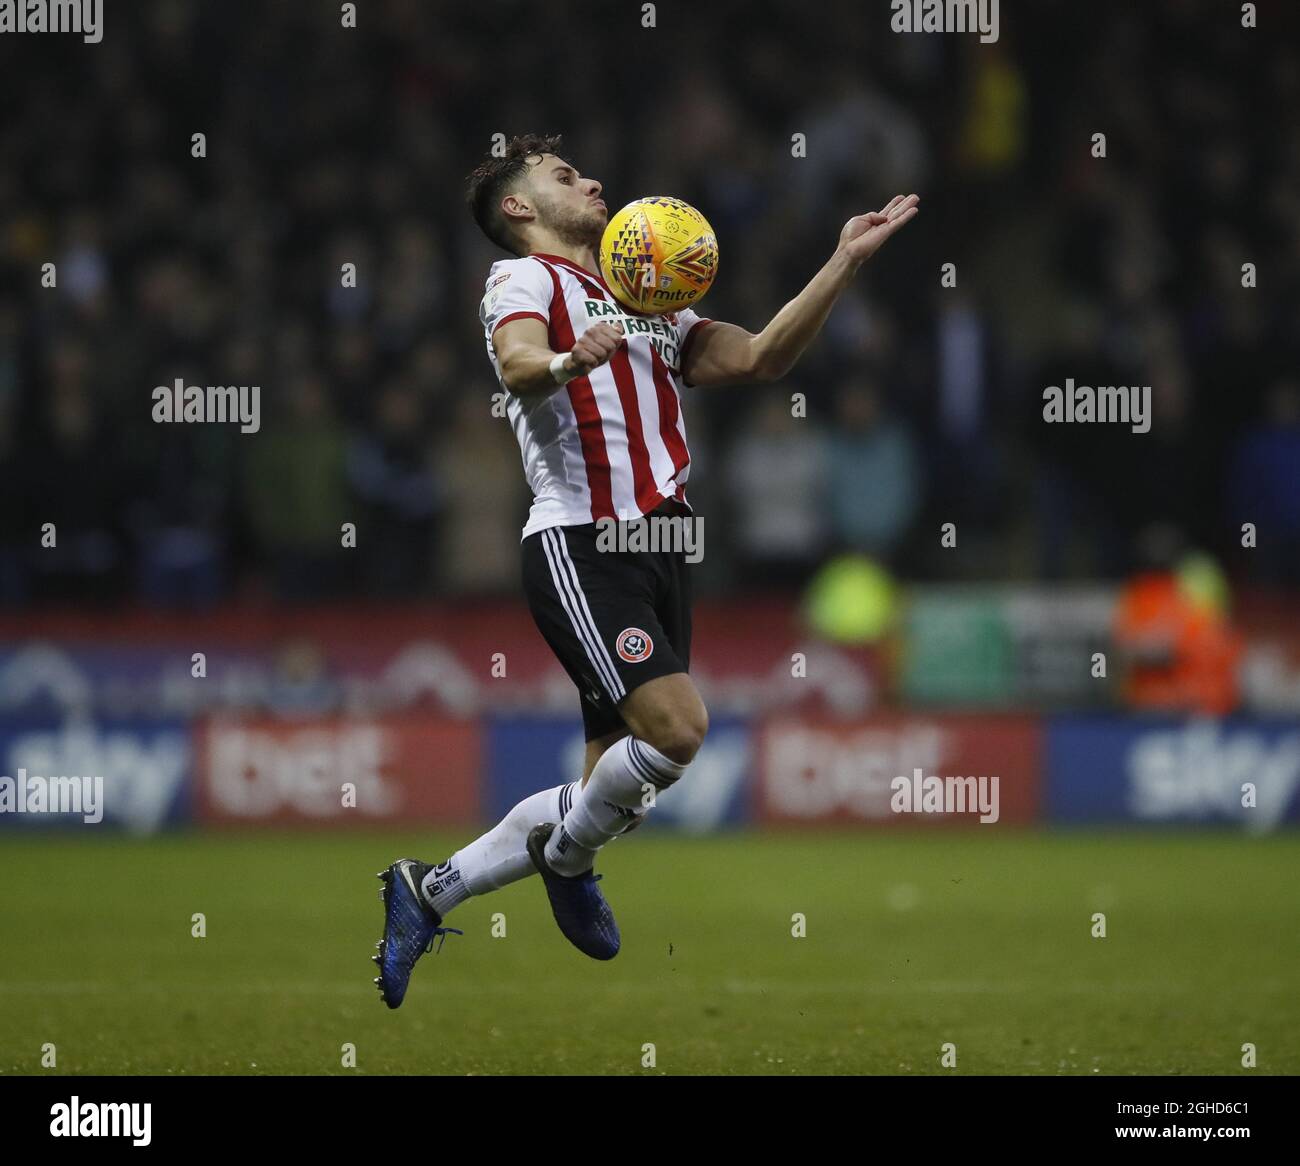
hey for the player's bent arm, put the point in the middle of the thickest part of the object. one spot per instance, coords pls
(723, 354)
(526, 358)
(718, 353)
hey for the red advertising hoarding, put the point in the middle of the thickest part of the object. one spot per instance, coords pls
(338, 771)
(827, 771)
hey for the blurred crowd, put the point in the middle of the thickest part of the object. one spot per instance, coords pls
(923, 402)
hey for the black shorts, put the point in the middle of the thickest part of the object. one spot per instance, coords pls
(615, 619)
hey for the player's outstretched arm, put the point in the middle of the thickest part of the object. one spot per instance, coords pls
(723, 354)
(526, 357)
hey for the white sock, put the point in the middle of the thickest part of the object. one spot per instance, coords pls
(498, 857)
(619, 789)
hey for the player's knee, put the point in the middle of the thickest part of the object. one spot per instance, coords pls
(682, 735)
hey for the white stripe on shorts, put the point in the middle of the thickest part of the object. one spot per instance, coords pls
(565, 577)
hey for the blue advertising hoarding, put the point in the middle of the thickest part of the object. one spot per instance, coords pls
(1104, 769)
(131, 774)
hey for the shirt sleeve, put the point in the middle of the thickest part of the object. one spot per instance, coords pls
(689, 322)
(516, 289)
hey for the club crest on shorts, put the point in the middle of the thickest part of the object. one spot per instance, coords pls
(633, 645)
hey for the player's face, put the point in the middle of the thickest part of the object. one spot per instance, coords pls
(568, 204)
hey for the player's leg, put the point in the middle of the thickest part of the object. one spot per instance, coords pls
(596, 750)
(668, 723)
(596, 608)
(668, 714)
(662, 708)
(499, 857)
(417, 895)
(495, 859)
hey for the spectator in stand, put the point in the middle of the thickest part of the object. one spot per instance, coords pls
(486, 503)
(392, 474)
(71, 476)
(1264, 487)
(874, 473)
(776, 475)
(295, 489)
(1178, 651)
(965, 459)
(1071, 469)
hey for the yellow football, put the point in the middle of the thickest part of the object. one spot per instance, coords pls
(658, 255)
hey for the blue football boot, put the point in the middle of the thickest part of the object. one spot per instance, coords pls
(576, 902)
(410, 927)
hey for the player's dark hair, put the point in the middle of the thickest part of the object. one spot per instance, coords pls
(496, 176)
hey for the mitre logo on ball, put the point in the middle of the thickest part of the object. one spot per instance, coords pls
(658, 255)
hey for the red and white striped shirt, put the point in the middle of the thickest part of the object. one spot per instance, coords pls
(611, 444)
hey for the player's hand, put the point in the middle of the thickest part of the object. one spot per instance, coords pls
(595, 346)
(863, 235)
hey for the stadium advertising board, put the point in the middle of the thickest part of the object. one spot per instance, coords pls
(87, 773)
(338, 771)
(824, 771)
(1108, 769)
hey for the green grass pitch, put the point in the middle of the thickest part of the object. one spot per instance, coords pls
(980, 938)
